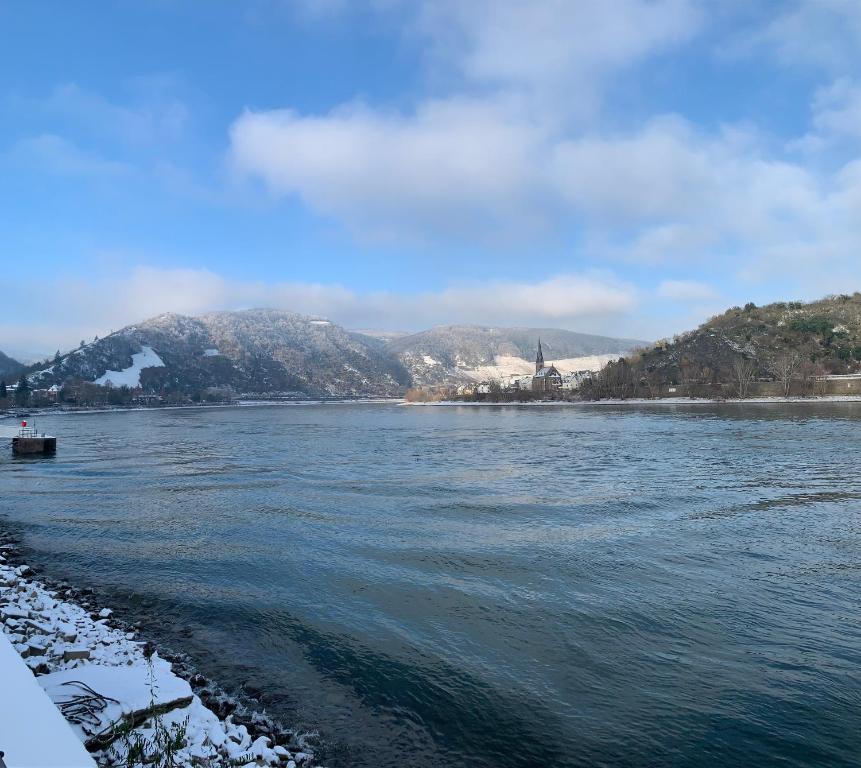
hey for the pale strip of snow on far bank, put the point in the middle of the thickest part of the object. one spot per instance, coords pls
(640, 401)
(131, 376)
(239, 403)
(505, 366)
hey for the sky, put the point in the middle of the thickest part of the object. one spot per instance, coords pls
(624, 167)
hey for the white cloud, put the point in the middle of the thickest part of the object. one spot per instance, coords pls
(557, 52)
(664, 192)
(56, 154)
(686, 290)
(662, 171)
(453, 166)
(821, 33)
(146, 292)
(836, 118)
(151, 117)
(667, 242)
(477, 162)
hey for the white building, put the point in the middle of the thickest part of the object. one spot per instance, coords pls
(523, 383)
(575, 380)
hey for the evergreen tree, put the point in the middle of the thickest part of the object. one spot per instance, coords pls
(3, 393)
(57, 356)
(22, 394)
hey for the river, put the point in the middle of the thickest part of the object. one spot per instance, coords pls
(485, 586)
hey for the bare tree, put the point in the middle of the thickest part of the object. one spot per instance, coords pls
(743, 369)
(652, 379)
(807, 375)
(820, 380)
(783, 368)
(690, 375)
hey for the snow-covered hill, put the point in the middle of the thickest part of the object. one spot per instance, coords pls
(253, 351)
(462, 353)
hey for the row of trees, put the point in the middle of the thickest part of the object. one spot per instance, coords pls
(20, 396)
(632, 377)
(78, 393)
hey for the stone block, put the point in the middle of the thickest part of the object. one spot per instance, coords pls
(71, 654)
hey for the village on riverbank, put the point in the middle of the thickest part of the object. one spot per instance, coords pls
(621, 380)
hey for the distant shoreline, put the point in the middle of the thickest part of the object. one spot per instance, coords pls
(31, 412)
(629, 402)
(638, 401)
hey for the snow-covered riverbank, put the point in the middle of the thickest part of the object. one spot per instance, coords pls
(637, 401)
(239, 403)
(115, 690)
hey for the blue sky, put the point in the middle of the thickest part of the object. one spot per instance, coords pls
(627, 167)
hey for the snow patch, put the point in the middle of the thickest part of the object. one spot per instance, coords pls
(211, 352)
(429, 360)
(506, 366)
(131, 376)
(32, 730)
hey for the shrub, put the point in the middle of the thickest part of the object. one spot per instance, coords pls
(821, 324)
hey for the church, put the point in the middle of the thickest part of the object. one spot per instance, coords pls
(546, 378)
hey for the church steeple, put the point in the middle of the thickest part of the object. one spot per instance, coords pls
(539, 358)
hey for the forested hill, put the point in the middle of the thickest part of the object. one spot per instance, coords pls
(815, 338)
(9, 368)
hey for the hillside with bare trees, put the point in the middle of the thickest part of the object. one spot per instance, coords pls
(790, 345)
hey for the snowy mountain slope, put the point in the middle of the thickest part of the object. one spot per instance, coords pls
(253, 351)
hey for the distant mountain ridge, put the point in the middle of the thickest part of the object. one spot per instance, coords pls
(262, 351)
(9, 367)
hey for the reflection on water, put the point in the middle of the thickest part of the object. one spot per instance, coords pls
(486, 586)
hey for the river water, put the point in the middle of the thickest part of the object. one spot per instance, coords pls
(485, 586)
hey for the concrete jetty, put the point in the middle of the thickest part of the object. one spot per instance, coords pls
(28, 441)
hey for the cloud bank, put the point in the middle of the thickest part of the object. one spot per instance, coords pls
(578, 300)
